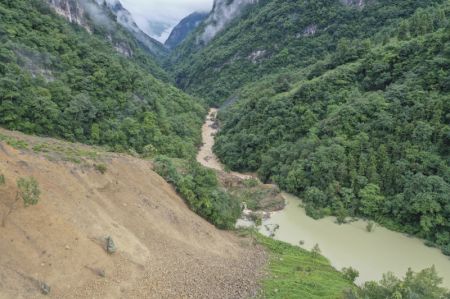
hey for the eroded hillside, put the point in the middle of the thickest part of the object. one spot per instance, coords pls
(163, 249)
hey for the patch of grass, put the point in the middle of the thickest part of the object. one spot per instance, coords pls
(14, 142)
(41, 148)
(66, 152)
(72, 158)
(297, 273)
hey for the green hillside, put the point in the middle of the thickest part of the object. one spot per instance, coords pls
(58, 80)
(277, 36)
(365, 131)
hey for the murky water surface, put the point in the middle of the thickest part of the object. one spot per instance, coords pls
(372, 254)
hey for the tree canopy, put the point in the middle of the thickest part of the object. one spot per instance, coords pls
(364, 130)
(59, 80)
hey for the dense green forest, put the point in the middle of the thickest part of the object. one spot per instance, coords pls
(59, 80)
(277, 36)
(365, 131)
(200, 189)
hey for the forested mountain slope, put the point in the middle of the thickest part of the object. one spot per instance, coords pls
(96, 86)
(276, 36)
(184, 28)
(363, 131)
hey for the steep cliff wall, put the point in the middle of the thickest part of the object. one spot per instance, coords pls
(223, 12)
(72, 10)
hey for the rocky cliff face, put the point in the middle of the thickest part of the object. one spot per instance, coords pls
(85, 12)
(223, 12)
(72, 10)
(184, 28)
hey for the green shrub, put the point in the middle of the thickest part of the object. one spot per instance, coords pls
(101, 168)
(2, 179)
(446, 249)
(249, 183)
(341, 216)
(149, 151)
(165, 168)
(199, 187)
(28, 191)
(314, 212)
(429, 243)
(316, 251)
(370, 226)
(257, 218)
(350, 274)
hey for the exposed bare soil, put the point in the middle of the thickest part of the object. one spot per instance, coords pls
(164, 250)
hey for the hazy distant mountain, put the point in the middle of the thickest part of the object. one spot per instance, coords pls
(184, 28)
(125, 18)
(158, 30)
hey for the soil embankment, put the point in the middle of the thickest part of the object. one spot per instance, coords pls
(163, 249)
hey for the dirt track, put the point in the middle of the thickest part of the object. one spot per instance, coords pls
(164, 250)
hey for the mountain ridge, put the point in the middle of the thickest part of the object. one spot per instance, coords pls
(284, 41)
(181, 31)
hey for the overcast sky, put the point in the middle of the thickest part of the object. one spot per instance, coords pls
(169, 12)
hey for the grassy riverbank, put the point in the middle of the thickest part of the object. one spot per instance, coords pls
(293, 272)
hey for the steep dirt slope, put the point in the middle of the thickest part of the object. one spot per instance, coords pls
(164, 250)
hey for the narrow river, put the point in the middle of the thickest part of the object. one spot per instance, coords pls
(372, 254)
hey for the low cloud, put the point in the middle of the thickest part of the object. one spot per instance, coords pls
(166, 12)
